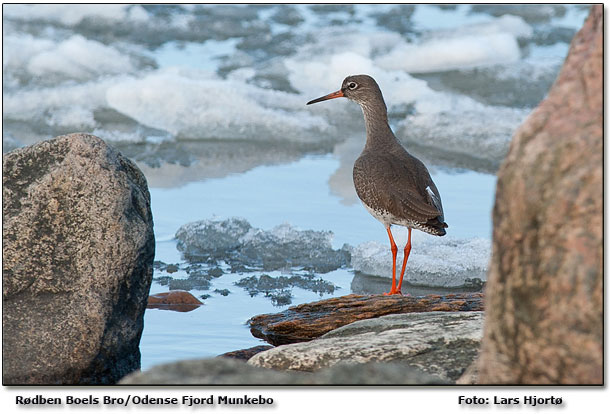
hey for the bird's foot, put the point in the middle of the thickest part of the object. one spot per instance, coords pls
(393, 292)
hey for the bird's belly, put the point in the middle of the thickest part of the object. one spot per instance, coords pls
(387, 219)
(382, 215)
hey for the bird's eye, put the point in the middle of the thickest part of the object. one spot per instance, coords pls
(352, 85)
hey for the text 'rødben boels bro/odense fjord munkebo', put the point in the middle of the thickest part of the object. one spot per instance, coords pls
(146, 400)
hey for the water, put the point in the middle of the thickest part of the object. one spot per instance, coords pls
(209, 101)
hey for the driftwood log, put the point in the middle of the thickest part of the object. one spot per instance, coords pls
(311, 320)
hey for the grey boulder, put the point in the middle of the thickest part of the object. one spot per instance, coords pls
(77, 262)
(229, 371)
(442, 344)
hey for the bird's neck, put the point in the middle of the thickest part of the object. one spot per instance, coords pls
(378, 131)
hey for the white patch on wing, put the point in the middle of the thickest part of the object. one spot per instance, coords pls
(435, 200)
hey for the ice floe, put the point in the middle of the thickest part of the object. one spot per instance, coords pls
(150, 73)
(434, 261)
(244, 247)
(195, 104)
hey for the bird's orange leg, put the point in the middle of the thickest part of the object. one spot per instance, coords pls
(404, 261)
(394, 252)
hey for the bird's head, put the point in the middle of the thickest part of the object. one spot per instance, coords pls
(358, 88)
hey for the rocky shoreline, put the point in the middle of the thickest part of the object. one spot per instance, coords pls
(431, 339)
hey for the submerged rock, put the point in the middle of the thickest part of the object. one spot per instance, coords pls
(544, 322)
(230, 371)
(78, 248)
(439, 343)
(312, 320)
(245, 248)
(175, 300)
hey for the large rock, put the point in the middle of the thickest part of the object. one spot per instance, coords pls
(439, 343)
(77, 262)
(544, 294)
(312, 320)
(230, 371)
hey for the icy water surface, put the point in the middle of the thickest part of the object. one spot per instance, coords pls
(209, 100)
(296, 193)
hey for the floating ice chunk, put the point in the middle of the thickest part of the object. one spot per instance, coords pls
(72, 117)
(510, 24)
(443, 262)
(522, 84)
(325, 74)
(475, 45)
(73, 14)
(534, 13)
(462, 133)
(79, 58)
(444, 124)
(323, 65)
(54, 104)
(212, 238)
(453, 53)
(198, 105)
(247, 248)
(17, 50)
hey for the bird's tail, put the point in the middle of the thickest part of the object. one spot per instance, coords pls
(437, 227)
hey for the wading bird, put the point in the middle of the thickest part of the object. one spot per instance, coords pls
(394, 186)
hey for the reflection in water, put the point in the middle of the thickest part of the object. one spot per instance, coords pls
(174, 164)
(279, 289)
(181, 307)
(364, 284)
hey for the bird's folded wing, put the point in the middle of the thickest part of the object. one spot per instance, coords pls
(395, 188)
(417, 204)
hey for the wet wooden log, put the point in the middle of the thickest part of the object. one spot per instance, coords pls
(311, 320)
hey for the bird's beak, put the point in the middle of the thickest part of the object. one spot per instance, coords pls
(333, 95)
